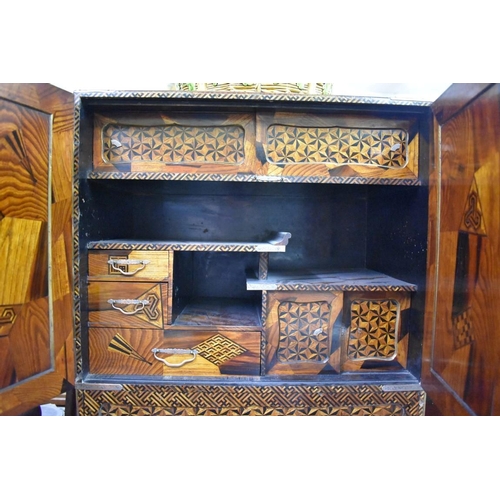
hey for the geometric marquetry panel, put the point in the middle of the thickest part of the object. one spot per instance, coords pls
(219, 349)
(252, 400)
(303, 332)
(173, 144)
(337, 146)
(373, 329)
(463, 333)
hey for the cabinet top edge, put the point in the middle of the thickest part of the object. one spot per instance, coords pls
(247, 96)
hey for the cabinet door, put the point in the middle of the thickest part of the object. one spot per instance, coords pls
(462, 338)
(36, 303)
(300, 335)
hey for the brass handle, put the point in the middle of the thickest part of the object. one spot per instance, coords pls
(139, 305)
(193, 352)
(127, 262)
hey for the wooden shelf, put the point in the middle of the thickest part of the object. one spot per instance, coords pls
(219, 312)
(175, 176)
(277, 243)
(349, 280)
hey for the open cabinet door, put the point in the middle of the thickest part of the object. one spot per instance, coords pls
(36, 299)
(461, 356)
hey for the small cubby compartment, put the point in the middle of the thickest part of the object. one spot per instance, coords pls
(210, 290)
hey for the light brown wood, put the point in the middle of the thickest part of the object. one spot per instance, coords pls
(140, 265)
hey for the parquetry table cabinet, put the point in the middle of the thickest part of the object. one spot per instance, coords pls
(225, 253)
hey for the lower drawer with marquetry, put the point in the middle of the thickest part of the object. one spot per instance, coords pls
(206, 353)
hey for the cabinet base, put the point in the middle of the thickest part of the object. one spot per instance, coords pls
(251, 400)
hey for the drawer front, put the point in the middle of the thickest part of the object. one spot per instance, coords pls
(324, 146)
(123, 265)
(129, 305)
(299, 332)
(183, 143)
(115, 351)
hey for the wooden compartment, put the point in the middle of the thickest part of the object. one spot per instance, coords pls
(129, 305)
(130, 265)
(116, 351)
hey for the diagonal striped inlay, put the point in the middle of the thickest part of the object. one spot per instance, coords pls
(120, 345)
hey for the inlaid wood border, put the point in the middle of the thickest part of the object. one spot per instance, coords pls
(246, 96)
(286, 399)
(172, 176)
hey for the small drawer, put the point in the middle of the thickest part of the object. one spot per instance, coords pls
(129, 305)
(130, 265)
(174, 352)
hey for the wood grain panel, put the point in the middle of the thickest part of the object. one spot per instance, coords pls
(20, 241)
(128, 352)
(461, 343)
(24, 156)
(30, 340)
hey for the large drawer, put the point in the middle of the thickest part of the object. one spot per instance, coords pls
(130, 265)
(116, 351)
(129, 305)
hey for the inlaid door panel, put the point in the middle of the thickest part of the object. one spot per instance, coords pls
(462, 341)
(300, 335)
(36, 351)
(376, 331)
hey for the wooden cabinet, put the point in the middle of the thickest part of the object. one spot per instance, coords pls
(255, 254)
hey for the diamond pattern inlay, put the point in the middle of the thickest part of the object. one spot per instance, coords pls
(337, 146)
(219, 349)
(303, 332)
(173, 144)
(373, 329)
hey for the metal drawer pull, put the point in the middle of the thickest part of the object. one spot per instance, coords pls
(193, 352)
(125, 262)
(139, 305)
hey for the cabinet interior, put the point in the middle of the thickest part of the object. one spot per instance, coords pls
(334, 227)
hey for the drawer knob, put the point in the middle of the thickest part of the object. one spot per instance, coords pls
(193, 353)
(115, 263)
(139, 305)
